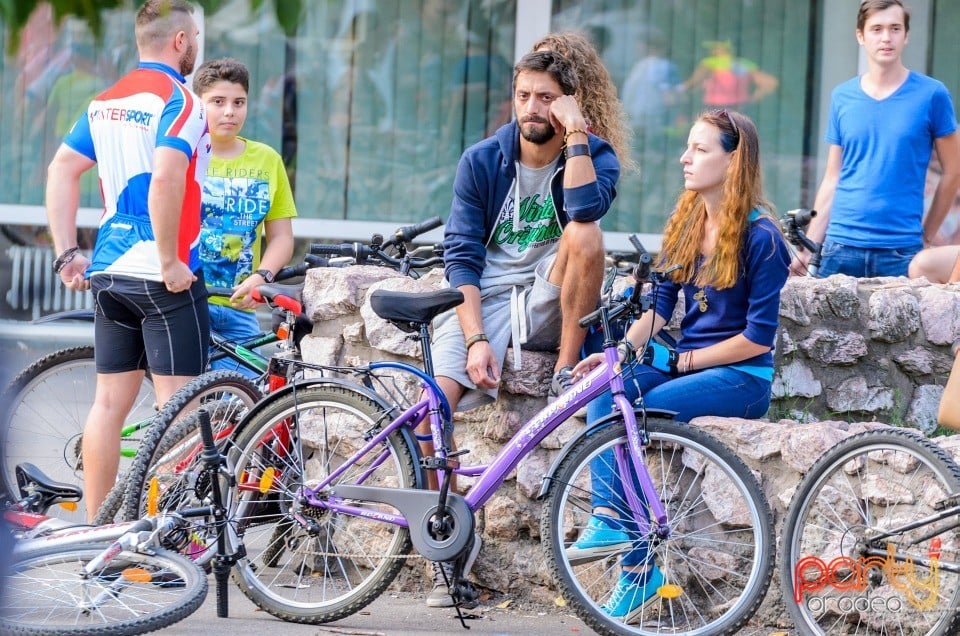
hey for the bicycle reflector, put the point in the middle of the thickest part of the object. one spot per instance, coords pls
(936, 545)
(266, 480)
(670, 591)
(153, 497)
(137, 575)
(69, 506)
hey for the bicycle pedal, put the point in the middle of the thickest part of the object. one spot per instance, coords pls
(949, 502)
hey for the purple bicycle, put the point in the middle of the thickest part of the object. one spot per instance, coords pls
(330, 493)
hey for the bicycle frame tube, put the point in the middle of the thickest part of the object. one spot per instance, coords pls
(410, 418)
(606, 376)
(243, 352)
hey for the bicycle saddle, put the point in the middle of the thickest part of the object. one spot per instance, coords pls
(31, 479)
(409, 310)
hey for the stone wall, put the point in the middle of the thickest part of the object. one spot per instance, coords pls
(869, 349)
(865, 349)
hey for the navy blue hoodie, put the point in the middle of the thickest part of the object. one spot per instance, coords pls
(484, 176)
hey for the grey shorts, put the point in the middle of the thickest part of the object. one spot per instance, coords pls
(541, 315)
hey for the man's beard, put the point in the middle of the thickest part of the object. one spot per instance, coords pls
(537, 135)
(188, 60)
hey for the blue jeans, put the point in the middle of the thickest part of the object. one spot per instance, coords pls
(234, 325)
(863, 262)
(719, 391)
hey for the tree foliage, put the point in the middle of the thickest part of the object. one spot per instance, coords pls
(15, 13)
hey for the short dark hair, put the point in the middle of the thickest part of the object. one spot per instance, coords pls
(159, 19)
(224, 69)
(869, 7)
(559, 68)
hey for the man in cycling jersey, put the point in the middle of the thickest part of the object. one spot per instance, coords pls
(148, 137)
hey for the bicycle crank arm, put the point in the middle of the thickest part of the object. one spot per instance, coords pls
(420, 509)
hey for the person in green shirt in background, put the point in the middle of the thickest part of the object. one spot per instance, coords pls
(246, 195)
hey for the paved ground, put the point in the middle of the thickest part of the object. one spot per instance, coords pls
(391, 615)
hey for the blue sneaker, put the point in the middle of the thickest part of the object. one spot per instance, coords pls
(599, 539)
(634, 592)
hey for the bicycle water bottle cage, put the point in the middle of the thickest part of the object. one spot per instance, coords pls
(408, 311)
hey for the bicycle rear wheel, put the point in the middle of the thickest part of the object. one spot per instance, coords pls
(135, 592)
(872, 483)
(308, 564)
(170, 455)
(46, 406)
(718, 560)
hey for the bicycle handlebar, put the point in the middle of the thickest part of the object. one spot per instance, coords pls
(375, 252)
(793, 225)
(407, 233)
(643, 272)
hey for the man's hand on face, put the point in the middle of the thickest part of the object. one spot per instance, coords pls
(565, 114)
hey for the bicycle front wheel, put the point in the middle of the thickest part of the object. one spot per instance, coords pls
(851, 562)
(46, 592)
(170, 456)
(46, 407)
(304, 563)
(717, 561)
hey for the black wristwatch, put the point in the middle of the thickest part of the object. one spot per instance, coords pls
(266, 274)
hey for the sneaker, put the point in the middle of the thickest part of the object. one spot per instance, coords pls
(562, 380)
(634, 592)
(599, 539)
(440, 595)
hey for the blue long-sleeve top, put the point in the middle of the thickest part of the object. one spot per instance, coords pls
(751, 307)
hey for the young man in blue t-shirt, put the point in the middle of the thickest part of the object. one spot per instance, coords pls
(883, 126)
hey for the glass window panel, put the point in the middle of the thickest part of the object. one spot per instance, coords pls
(389, 94)
(45, 85)
(751, 56)
(945, 66)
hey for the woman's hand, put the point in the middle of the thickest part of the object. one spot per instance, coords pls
(587, 365)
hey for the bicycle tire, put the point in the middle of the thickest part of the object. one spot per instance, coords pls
(171, 451)
(720, 522)
(45, 408)
(863, 485)
(347, 561)
(44, 587)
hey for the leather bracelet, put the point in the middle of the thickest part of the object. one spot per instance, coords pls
(577, 150)
(65, 257)
(475, 338)
(572, 132)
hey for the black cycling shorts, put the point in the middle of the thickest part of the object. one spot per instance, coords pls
(140, 325)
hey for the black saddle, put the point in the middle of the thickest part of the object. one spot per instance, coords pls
(31, 480)
(408, 311)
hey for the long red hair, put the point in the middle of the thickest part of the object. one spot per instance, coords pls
(742, 192)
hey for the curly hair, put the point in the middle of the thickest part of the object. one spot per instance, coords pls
(597, 94)
(742, 192)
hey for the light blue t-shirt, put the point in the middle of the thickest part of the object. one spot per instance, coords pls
(886, 146)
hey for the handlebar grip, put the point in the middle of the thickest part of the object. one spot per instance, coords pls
(223, 292)
(291, 272)
(589, 319)
(642, 271)
(344, 249)
(802, 216)
(206, 432)
(410, 232)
